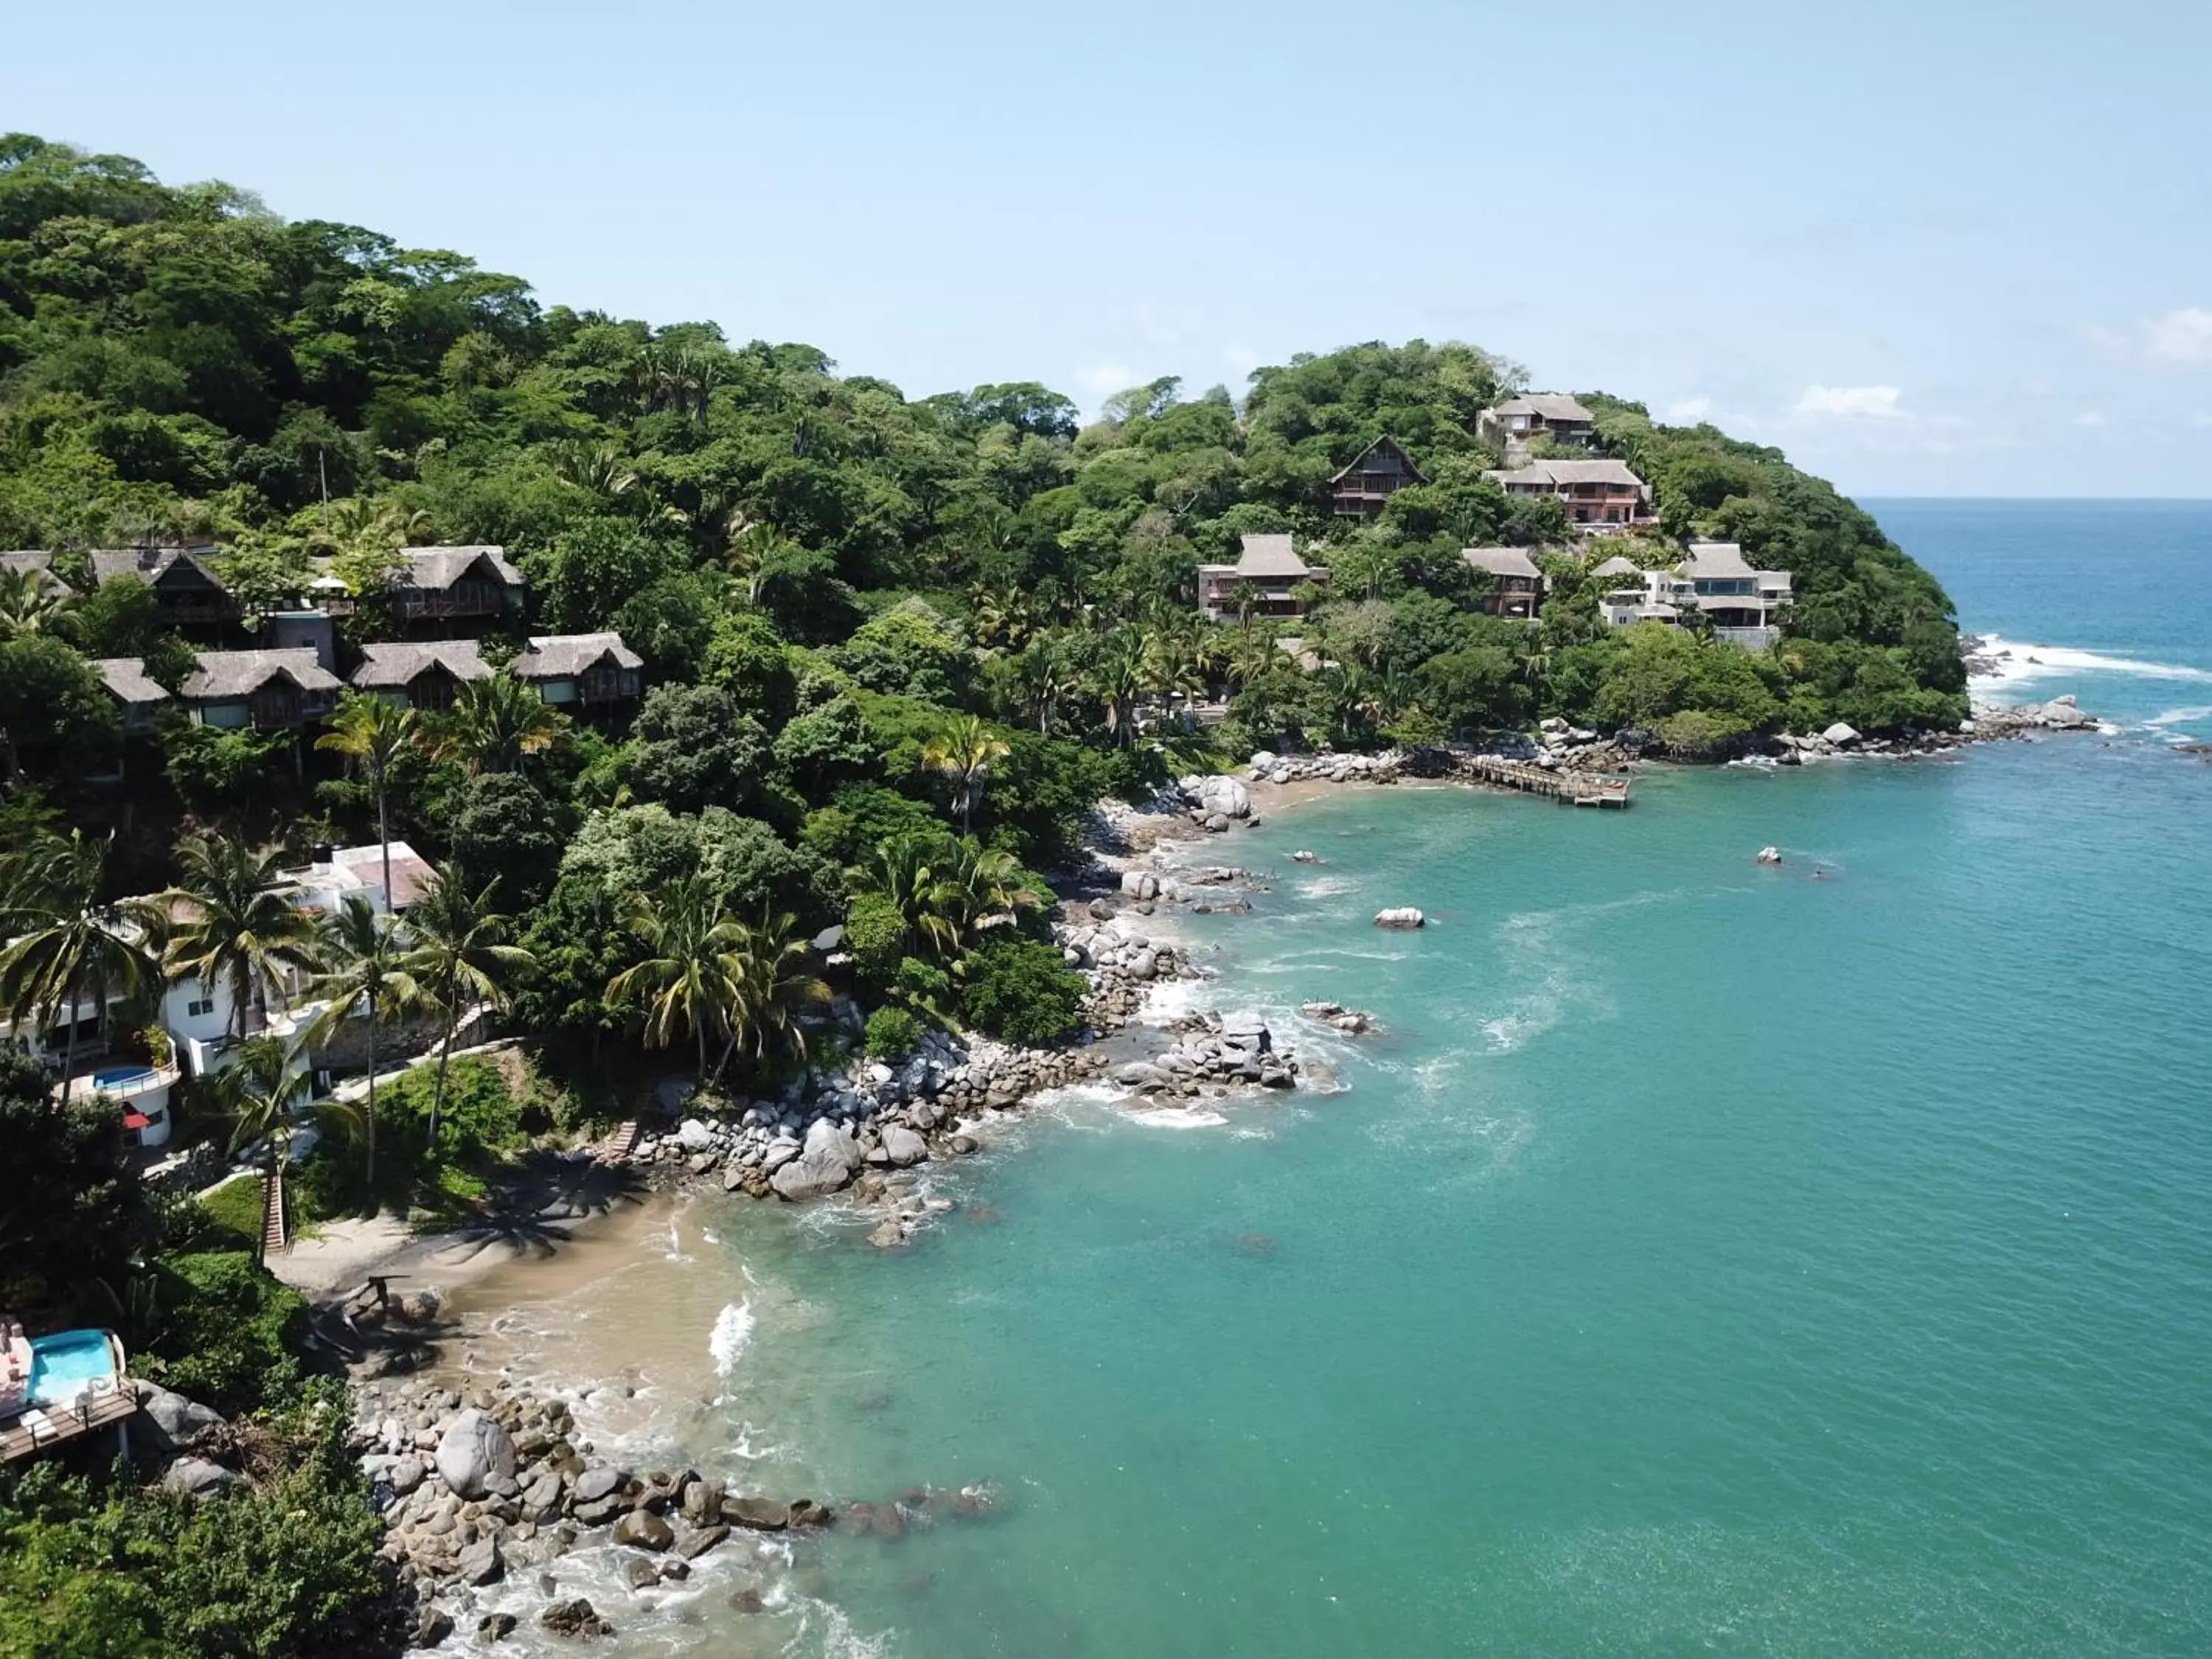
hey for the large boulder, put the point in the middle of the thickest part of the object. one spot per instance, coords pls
(199, 1477)
(1226, 795)
(763, 1513)
(1841, 735)
(576, 1618)
(826, 1164)
(1140, 883)
(694, 1135)
(643, 1529)
(169, 1422)
(473, 1452)
(903, 1147)
(1401, 916)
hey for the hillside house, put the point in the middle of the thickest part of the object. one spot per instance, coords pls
(138, 697)
(581, 670)
(39, 562)
(1381, 469)
(190, 593)
(1513, 423)
(1744, 605)
(1268, 574)
(427, 676)
(458, 589)
(267, 691)
(1598, 494)
(1517, 586)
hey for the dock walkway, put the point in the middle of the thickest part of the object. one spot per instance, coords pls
(1578, 788)
(42, 1426)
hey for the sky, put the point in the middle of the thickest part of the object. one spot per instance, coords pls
(1935, 248)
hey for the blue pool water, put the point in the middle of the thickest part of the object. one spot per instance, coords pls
(123, 1077)
(67, 1363)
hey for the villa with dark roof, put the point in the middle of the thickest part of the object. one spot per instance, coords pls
(184, 581)
(267, 691)
(428, 676)
(1263, 582)
(1381, 469)
(580, 671)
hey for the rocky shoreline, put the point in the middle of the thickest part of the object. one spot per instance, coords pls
(489, 1486)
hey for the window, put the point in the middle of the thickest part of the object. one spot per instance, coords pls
(199, 1005)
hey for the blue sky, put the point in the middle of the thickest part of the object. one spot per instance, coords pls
(1933, 248)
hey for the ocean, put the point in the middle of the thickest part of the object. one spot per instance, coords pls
(1702, 1258)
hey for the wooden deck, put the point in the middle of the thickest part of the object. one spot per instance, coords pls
(49, 1425)
(1577, 789)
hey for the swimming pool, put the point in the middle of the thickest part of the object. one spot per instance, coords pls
(64, 1363)
(118, 1079)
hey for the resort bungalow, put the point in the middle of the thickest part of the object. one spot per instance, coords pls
(1743, 605)
(1263, 582)
(581, 670)
(427, 676)
(1552, 415)
(267, 691)
(138, 697)
(191, 594)
(35, 562)
(1598, 494)
(1517, 586)
(451, 587)
(1380, 472)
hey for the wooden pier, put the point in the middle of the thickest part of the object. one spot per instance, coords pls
(1577, 789)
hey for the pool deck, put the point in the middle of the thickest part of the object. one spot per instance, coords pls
(42, 1426)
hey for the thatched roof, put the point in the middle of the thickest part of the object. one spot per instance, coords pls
(560, 656)
(436, 569)
(225, 674)
(126, 676)
(1502, 561)
(391, 666)
(1546, 405)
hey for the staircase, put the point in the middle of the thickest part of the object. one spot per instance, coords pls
(274, 1239)
(617, 1146)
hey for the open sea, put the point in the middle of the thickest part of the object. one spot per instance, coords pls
(1703, 1259)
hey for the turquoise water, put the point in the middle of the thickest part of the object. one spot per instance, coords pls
(1705, 1258)
(64, 1363)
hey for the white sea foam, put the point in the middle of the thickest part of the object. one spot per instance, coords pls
(1325, 886)
(1176, 1117)
(733, 1332)
(2017, 664)
(2181, 716)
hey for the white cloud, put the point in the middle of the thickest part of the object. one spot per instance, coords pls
(1241, 358)
(1858, 402)
(1689, 411)
(2090, 417)
(1104, 379)
(2180, 336)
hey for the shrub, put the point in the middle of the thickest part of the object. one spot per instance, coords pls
(893, 1033)
(875, 932)
(229, 1218)
(226, 1333)
(1019, 990)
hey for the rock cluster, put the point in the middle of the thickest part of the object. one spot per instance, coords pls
(475, 1484)
(2059, 714)
(1223, 1049)
(1267, 767)
(1213, 803)
(1352, 1022)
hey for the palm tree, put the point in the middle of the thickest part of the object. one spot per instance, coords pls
(687, 980)
(771, 971)
(1046, 678)
(596, 469)
(375, 733)
(31, 602)
(366, 950)
(949, 891)
(230, 918)
(494, 722)
(77, 948)
(963, 752)
(254, 1094)
(461, 957)
(1119, 678)
(904, 870)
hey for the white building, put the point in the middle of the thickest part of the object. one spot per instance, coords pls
(1744, 605)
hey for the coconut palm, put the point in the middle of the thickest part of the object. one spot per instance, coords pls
(461, 957)
(963, 752)
(1118, 679)
(1046, 678)
(494, 722)
(366, 950)
(76, 948)
(596, 469)
(776, 982)
(254, 1095)
(230, 918)
(31, 602)
(949, 891)
(374, 733)
(686, 982)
